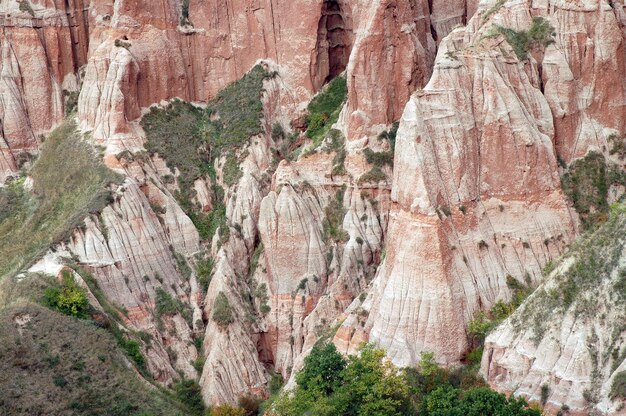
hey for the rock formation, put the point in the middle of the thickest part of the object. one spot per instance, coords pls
(567, 340)
(317, 242)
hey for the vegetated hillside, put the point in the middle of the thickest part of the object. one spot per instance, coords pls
(566, 345)
(54, 364)
(67, 182)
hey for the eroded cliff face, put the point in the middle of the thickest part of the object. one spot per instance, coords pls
(474, 195)
(476, 188)
(42, 48)
(568, 338)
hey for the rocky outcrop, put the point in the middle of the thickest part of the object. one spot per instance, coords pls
(42, 48)
(477, 198)
(393, 55)
(565, 344)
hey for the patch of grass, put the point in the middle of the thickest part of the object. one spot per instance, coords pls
(379, 159)
(122, 44)
(184, 13)
(190, 139)
(618, 146)
(238, 109)
(596, 255)
(540, 34)
(26, 7)
(70, 182)
(204, 270)
(374, 175)
(261, 293)
(222, 311)
(190, 393)
(493, 9)
(324, 109)
(484, 322)
(71, 101)
(232, 172)
(618, 388)
(182, 265)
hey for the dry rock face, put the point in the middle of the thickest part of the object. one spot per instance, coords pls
(476, 188)
(41, 54)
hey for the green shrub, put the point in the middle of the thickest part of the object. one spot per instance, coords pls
(586, 183)
(133, 351)
(222, 311)
(182, 265)
(184, 13)
(71, 101)
(165, 304)
(69, 299)
(379, 159)
(390, 136)
(231, 171)
(204, 270)
(190, 393)
(333, 220)
(618, 387)
(121, 44)
(324, 109)
(374, 175)
(541, 33)
(545, 393)
(26, 7)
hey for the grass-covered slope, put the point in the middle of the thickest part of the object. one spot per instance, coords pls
(53, 364)
(70, 181)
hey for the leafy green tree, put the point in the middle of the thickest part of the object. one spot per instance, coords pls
(323, 369)
(373, 385)
(443, 401)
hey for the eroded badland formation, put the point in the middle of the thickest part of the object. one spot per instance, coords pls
(258, 227)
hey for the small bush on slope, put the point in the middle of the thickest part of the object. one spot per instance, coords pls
(69, 299)
(541, 33)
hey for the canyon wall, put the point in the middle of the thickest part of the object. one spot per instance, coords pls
(474, 195)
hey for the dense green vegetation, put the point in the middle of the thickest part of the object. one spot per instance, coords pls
(69, 299)
(190, 139)
(70, 182)
(586, 182)
(368, 384)
(541, 33)
(324, 109)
